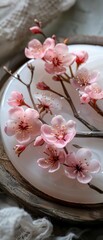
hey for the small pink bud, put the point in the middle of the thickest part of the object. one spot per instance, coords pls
(84, 98)
(81, 57)
(42, 86)
(38, 141)
(54, 37)
(36, 30)
(19, 149)
(56, 78)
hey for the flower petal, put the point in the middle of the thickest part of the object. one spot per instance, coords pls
(70, 135)
(10, 128)
(29, 53)
(35, 44)
(42, 162)
(31, 114)
(70, 173)
(83, 154)
(47, 134)
(34, 50)
(58, 121)
(16, 113)
(23, 136)
(94, 166)
(68, 59)
(61, 48)
(59, 143)
(71, 124)
(54, 167)
(62, 156)
(35, 127)
(46, 129)
(49, 55)
(48, 43)
(84, 178)
(94, 76)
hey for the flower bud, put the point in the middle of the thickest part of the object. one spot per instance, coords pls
(42, 86)
(19, 149)
(38, 141)
(36, 30)
(56, 78)
(81, 57)
(38, 23)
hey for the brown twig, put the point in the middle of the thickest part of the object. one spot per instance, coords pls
(96, 108)
(75, 113)
(95, 188)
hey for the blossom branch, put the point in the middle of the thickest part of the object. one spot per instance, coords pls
(96, 108)
(89, 134)
(31, 97)
(27, 85)
(31, 68)
(11, 74)
(67, 80)
(75, 113)
(65, 149)
(95, 188)
(70, 68)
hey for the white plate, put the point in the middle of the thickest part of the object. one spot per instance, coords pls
(57, 185)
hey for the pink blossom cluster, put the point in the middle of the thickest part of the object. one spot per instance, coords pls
(79, 165)
(56, 56)
(26, 125)
(57, 60)
(86, 82)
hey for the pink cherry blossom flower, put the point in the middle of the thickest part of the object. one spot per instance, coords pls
(23, 124)
(36, 49)
(58, 59)
(81, 57)
(84, 77)
(42, 86)
(19, 149)
(94, 91)
(16, 99)
(53, 159)
(81, 166)
(60, 132)
(46, 104)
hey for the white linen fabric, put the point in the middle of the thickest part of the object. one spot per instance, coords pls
(17, 16)
(17, 224)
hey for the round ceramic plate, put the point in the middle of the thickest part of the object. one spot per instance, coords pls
(57, 185)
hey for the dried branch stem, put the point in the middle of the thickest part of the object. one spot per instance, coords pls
(95, 188)
(96, 108)
(75, 113)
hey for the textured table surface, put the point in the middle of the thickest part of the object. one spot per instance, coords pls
(86, 17)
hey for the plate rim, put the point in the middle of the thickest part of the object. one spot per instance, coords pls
(98, 208)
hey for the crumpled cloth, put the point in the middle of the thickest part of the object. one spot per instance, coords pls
(17, 224)
(16, 17)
